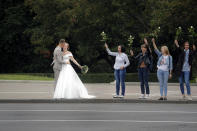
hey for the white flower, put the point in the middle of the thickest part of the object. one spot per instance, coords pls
(159, 27)
(191, 27)
(179, 27)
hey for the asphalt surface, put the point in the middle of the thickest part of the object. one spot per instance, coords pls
(98, 117)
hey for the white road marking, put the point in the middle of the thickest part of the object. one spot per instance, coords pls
(102, 111)
(124, 121)
(24, 92)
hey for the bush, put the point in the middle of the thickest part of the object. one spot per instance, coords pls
(109, 77)
(101, 66)
(87, 78)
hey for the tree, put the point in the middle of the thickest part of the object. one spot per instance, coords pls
(15, 48)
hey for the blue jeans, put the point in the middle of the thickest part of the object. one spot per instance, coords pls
(120, 78)
(185, 75)
(143, 76)
(163, 81)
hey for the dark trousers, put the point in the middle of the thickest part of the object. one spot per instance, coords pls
(120, 78)
(143, 77)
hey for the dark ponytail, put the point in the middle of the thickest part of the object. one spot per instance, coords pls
(122, 48)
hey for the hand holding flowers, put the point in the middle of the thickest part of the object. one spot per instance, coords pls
(155, 33)
(104, 37)
(84, 69)
(130, 40)
(131, 52)
(191, 31)
(178, 32)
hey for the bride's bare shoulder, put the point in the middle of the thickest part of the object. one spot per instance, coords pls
(69, 52)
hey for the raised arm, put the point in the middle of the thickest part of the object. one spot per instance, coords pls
(176, 43)
(131, 52)
(149, 49)
(154, 44)
(155, 48)
(178, 49)
(109, 52)
(194, 49)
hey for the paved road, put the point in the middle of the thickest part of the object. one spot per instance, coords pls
(98, 117)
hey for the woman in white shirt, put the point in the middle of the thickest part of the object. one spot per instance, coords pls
(121, 63)
(164, 65)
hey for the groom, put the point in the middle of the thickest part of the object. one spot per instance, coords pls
(58, 59)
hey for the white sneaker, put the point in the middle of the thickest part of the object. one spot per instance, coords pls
(113, 82)
(116, 96)
(121, 96)
(189, 98)
(184, 97)
(142, 96)
(147, 96)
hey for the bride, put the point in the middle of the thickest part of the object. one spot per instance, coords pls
(69, 85)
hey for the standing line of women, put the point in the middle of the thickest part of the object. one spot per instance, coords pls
(164, 68)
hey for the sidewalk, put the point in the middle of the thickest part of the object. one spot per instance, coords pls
(35, 91)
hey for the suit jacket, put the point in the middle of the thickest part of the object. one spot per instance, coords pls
(58, 58)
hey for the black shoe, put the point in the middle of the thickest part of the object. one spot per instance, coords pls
(165, 99)
(160, 99)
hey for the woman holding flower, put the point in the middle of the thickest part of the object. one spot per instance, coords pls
(144, 65)
(121, 63)
(164, 65)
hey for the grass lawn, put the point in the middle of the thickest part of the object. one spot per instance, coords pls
(24, 77)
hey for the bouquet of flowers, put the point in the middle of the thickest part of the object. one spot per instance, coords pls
(178, 32)
(191, 31)
(84, 69)
(130, 40)
(104, 37)
(155, 33)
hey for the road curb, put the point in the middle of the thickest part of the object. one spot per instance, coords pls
(95, 101)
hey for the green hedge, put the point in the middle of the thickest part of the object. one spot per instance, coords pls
(87, 78)
(109, 77)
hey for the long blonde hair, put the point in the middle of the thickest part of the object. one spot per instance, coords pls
(166, 50)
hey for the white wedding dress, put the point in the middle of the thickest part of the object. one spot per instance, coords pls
(69, 85)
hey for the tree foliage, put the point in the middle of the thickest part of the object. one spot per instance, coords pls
(30, 29)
